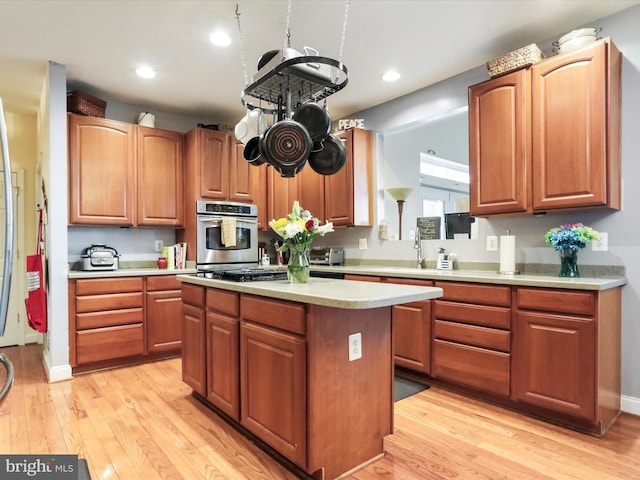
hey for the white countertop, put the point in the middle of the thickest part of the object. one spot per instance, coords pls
(328, 292)
(477, 276)
(481, 276)
(128, 272)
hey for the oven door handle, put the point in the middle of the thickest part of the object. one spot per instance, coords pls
(218, 220)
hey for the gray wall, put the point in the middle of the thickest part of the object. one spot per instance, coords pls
(622, 226)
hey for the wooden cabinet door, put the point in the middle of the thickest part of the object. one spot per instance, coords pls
(281, 194)
(500, 144)
(412, 330)
(554, 363)
(349, 193)
(213, 174)
(273, 389)
(412, 336)
(193, 347)
(163, 321)
(160, 177)
(576, 129)
(312, 192)
(223, 363)
(244, 178)
(101, 171)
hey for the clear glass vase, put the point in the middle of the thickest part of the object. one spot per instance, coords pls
(298, 266)
(568, 262)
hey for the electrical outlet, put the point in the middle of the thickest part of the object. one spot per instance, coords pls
(159, 245)
(601, 245)
(362, 243)
(355, 346)
(492, 243)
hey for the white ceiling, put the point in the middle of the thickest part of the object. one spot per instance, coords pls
(102, 42)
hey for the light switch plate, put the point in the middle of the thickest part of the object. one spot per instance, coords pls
(492, 243)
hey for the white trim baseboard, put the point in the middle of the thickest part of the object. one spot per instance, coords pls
(33, 337)
(56, 374)
(630, 404)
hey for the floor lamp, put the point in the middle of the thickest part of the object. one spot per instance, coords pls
(400, 194)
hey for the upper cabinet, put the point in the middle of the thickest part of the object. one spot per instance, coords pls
(216, 170)
(345, 198)
(101, 171)
(123, 174)
(547, 138)
(160, 177)
(348, 194)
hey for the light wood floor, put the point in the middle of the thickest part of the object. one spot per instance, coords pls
(142, 423)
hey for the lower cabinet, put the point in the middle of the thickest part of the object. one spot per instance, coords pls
(105, 319)
(567, 353)
(412, 330)
(273, 385)
(472, 336)
(163, 313)
(550, 352)
(222, 358)
(280, 370)
(273, 365)
(119, 320)
(194, 371)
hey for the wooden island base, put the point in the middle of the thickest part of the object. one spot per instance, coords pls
(281, 370)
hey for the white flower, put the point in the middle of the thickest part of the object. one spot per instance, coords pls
(291, 229)
(326, 228)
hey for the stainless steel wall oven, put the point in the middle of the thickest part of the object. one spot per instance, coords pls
(227, 234)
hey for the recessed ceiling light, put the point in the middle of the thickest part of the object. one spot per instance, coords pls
(391, 76)
(146, 72)
(220, 39)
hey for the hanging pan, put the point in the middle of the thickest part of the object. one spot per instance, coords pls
(331, 158)
(286, 146)
(316, 120)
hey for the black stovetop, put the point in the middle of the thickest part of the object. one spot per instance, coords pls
(243, 274)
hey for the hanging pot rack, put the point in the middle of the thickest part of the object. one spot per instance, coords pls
(286, 81)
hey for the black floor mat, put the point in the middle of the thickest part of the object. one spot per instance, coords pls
(403, 388)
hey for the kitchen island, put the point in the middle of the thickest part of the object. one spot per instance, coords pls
(307, 369)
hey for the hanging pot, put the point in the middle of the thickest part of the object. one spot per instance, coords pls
(286, 146)
(251, 152)
(331, 158)
(315, 119)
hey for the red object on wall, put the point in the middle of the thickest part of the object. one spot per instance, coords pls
(36, 302)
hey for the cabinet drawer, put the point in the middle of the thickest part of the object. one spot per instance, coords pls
(362, 278)
(163, 282)
(97, 286)
(85, 321)
(408, 281)
(476, 293)
(564, 301)
(223, 301)
(475, 367)
(276, 313)
(108, 343)
(116, 301)
(192, 295)
(473, 335)
(499, 317)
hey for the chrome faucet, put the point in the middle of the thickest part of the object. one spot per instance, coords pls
(418, 246)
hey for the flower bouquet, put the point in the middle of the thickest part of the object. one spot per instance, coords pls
(567, 240)
(297, 230)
